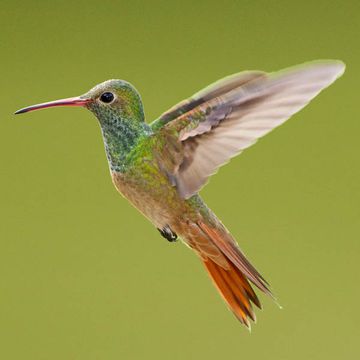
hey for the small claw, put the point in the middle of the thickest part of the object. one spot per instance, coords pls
(168, 234)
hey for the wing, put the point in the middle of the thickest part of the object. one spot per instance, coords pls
(216, 89)
(204, 132)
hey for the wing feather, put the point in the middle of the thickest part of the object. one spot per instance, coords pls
(223, 120)
(217, 89)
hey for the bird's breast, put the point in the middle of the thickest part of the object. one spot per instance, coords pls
(151, 193)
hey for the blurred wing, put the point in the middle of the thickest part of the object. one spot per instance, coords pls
(221, 121)
(214, 90)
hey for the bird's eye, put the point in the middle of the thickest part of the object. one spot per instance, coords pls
(107, 97)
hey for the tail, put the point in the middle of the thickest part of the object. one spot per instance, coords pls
(229, 269)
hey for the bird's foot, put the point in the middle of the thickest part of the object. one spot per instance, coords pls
(168, 234)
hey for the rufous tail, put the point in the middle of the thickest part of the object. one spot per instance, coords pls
(230, 271)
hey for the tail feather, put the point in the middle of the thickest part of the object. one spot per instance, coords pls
(235, 290)
(233, 279)
(225, 242)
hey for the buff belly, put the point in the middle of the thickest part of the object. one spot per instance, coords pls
(156, 200)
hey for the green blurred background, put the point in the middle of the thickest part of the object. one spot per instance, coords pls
(84, 276)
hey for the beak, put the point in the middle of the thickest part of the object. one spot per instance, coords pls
(74, 101)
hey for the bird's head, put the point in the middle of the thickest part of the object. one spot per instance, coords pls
(108, 100)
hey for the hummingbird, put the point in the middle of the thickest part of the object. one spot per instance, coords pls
(160, 167)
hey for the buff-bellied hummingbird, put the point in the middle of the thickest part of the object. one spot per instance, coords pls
(160, 167)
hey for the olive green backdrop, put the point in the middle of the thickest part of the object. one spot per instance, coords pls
(84, 276)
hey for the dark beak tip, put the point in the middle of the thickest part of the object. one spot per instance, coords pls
(74, 101)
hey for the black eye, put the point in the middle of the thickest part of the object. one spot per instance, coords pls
(107, 97)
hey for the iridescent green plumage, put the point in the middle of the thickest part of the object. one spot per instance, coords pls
(161, 167)
(122, 125)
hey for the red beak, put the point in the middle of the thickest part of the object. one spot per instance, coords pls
(74, 101)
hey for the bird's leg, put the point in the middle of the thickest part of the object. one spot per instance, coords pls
(168, 234)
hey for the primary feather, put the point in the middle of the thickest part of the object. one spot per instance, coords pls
(222, 120)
